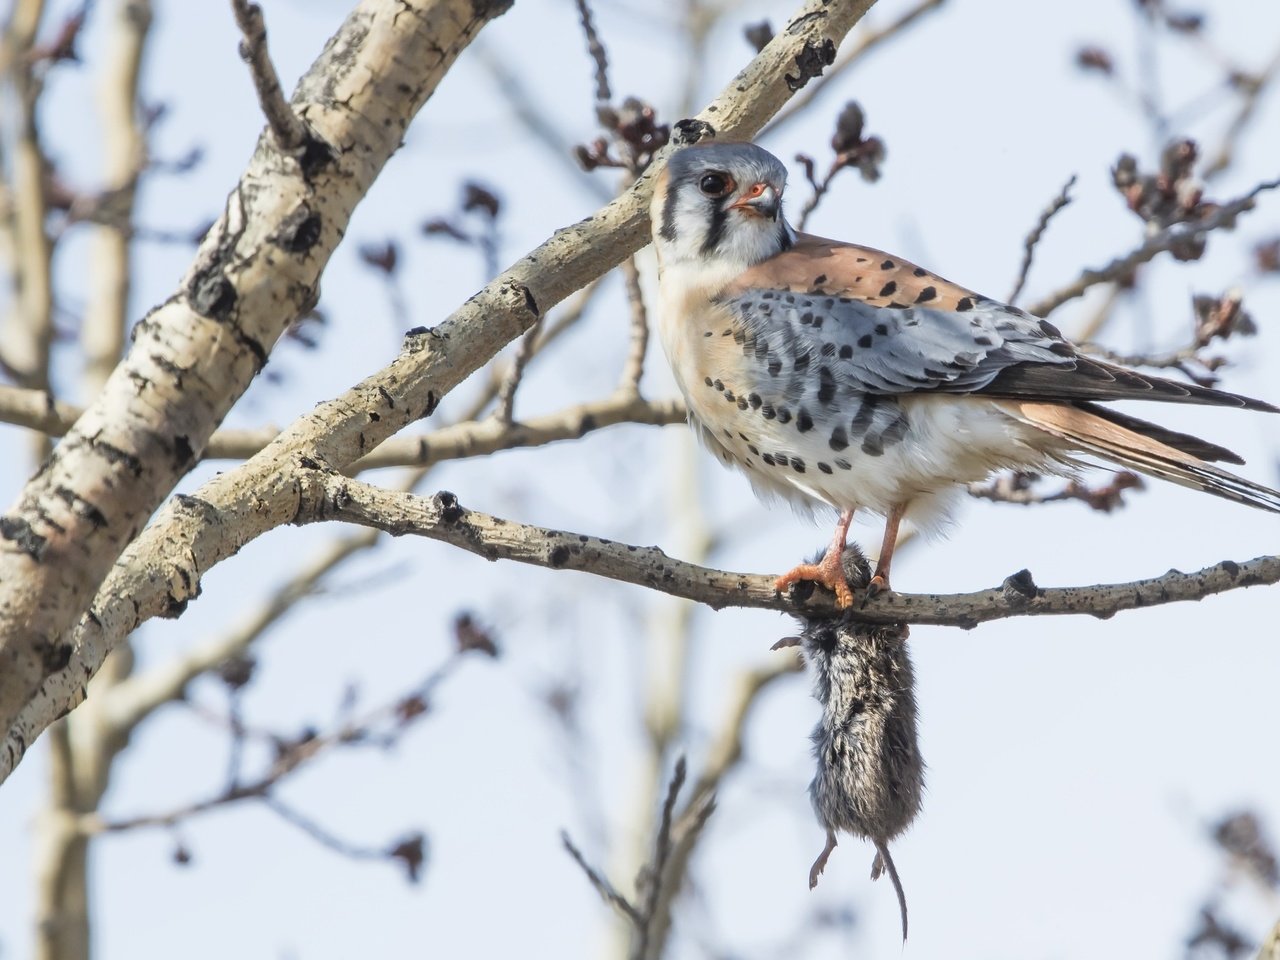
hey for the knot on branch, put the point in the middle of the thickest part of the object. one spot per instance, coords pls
(447, 503)
(810, 62)
(1019, 589)
(690, 131)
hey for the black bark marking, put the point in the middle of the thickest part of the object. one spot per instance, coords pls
(299, 231)
(20, 532)
(810, 63)
(211, 294)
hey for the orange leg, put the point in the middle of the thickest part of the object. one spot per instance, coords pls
(829, 571)
(880, 580)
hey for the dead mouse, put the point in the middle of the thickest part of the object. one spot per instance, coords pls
(870, 774)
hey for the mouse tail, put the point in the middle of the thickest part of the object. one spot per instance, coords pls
(884, 863)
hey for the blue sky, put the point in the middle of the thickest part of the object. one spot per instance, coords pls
(1074, 764)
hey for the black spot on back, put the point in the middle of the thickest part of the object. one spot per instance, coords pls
(826, 386)
(866, 411)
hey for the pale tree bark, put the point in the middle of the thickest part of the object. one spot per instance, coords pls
(82, 749)
(26, 330)
(192, 357)
(161, 571)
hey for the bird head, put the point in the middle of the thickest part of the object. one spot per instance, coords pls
(720, 202)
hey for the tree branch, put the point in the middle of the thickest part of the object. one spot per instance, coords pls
(193, 356)
(1172, 236)
(325, 496)
(290, 133)
(161, 569)
(1033, 238)
(863, 45)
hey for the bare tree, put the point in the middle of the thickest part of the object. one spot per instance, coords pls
(98, 542)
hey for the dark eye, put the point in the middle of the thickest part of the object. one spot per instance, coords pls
(715, 184)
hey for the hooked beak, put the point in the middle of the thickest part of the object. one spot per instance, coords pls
(762, 200)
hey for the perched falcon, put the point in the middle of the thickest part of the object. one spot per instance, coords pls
(837, 374)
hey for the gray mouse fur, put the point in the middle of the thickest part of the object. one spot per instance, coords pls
(870, 774)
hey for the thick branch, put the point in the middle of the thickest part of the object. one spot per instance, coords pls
(192, 357)
(162, 568)
(326, 496)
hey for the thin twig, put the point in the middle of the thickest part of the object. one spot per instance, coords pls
(629, 385)
(324, 496)
(724, 756)
(291, 755)
(321, 835)
(1172, 236)
(819, 188)
(536, 121)
(1250, 99)
(515, 373)
(36, 410)
(1029, 245)
(288, 130)
(1180, 359)
(656, 870)
(662, 845)
(1018, 487)
(599, 56)
(608, 893)
(864, 44)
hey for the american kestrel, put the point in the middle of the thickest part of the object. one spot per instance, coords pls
(836, 374)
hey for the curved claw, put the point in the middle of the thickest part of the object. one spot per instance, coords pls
(879, 584)
(827, 572)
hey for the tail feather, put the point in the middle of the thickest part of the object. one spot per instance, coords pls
(1201, 449)
(1126, 441)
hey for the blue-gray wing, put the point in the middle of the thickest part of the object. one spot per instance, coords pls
(990, 349)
